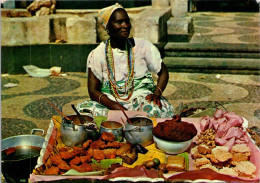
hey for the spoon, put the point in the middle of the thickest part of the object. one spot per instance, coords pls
(129, 121)
(81, 119)
(58, 110)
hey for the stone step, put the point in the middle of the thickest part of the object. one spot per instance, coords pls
(213, 65)
(219, 50)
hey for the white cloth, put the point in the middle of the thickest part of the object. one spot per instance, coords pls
(147, 58)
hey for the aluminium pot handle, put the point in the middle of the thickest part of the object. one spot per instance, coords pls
(37, 129)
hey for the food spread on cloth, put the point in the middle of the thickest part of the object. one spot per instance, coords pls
(223, 146)
(220, 143)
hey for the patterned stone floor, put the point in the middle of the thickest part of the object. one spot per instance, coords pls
(232, 28)
(24, 107)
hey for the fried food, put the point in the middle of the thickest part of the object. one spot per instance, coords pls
(123, 149)
(175, 131)
(86, 144)
(53, 170)
(99, 144)
(85, 159)
(245, 169)
(10, 150)
(201, 161)
(237, 157)
(175, 163)
(240, 148)
(208, 166)
(98, 154)
(130, 156)
(221, 154)
(82, 168)
(75, 161)
(56, 159)
(114, 144)
(228, 171)
(68, 155)
(76, 148)
(90, 152)
(195, 153)
(110, 153)
(204, 149)
(108, 137)
(63, 166)
(207, 137)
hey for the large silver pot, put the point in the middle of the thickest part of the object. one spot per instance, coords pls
(17, 166)
(140, 131)
(74, 133)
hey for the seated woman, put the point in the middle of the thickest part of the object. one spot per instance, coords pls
(121, 70)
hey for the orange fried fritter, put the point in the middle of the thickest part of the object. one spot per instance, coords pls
(86, 167)
(56, 159)
(53, 170)
(85, 159)
(75, 161)
(82, 168)
(90, 152)
(86, 144)
(114, 144)
(62, 149)
(68, 155)
(75, 148)
(63, 166)
(99, 144)
(110, 153)
(109, 137)
(98, 154)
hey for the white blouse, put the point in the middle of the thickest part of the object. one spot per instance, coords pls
(147, 58)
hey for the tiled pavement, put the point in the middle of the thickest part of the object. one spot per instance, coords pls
(223, 27)
(24, 107)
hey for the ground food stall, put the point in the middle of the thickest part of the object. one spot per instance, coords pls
(222, 150)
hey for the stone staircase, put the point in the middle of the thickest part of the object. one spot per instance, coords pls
(217, 52)
(212, 58)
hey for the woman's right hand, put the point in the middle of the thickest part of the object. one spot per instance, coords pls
(116, 106)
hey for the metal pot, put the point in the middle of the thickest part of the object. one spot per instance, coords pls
(140, 131)
(74, 133)
(17, 166)
(113, 127)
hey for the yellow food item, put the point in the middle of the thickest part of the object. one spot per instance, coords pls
(152, 153)
(175, 163)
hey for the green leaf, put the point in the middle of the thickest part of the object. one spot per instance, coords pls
(75, 172)
(186, 157)
(105, 163)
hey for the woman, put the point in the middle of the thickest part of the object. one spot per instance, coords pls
(120, 70)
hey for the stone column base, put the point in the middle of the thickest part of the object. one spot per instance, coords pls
(180, 29)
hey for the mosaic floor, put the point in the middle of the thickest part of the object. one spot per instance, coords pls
(232, 28)
(24, 107)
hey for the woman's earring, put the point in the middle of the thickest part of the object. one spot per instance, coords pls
(107, 31)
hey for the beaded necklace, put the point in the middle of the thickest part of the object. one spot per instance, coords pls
(128, 86)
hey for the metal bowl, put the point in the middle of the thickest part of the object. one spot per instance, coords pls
(140, 131)
(112, 127)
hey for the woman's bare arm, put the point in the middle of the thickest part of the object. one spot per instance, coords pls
(95, 93)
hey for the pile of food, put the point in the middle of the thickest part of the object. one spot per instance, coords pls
(223, 146)
(175, 130)
(84, 158)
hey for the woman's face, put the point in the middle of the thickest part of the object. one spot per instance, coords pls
(119, 25)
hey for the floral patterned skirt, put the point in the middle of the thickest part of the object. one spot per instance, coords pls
(142, 87)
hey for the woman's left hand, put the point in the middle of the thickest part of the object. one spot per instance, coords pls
(155, 99)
